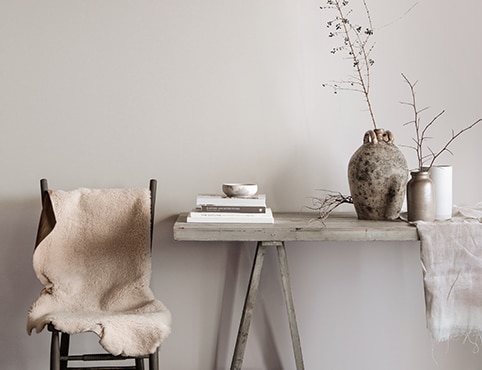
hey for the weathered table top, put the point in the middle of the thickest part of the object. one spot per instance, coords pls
(297, 227)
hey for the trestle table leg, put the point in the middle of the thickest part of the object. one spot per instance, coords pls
(285, 279)
(249, 302)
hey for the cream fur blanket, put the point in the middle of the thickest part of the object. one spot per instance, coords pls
(452, 261)
(93, 258)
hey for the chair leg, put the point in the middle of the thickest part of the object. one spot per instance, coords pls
(55, 351)
(154, 360)
(139, 364)
(64, 350)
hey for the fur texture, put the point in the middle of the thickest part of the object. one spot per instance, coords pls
(94, 262)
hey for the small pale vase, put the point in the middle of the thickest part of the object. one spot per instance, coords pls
(420, 197)
(377, 175)
(441, 177)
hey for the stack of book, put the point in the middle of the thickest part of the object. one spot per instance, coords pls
(221, 208)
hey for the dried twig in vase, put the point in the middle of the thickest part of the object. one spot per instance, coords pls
(358, 46)
(421, 132)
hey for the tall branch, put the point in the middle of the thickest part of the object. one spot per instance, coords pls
(356, 61)
(358, 50)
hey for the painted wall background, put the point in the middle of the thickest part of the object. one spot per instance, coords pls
(196, 93)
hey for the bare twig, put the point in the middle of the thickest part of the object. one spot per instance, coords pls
(327, 202)
(445, 148)
(421, 133)
(399, 18)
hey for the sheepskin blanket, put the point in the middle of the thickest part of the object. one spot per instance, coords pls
(93, 258)
(452, 261)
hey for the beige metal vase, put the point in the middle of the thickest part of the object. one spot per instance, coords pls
(420, 197)
(377, 175)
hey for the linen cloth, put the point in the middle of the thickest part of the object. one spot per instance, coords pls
(451, 253)
(93, 258)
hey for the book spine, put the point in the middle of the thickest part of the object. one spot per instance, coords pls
(226, 219)
(232, 209)
(198, 214)
(257, 201)
(231, 221)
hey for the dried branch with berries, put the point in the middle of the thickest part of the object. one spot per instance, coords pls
(356, 42)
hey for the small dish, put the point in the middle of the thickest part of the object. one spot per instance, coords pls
(239, 190)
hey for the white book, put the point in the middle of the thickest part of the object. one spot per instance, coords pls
(223, 217)
(223, 200)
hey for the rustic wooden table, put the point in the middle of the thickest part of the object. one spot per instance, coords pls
(287, 227)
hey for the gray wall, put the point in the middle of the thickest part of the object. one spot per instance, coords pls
(196, 93)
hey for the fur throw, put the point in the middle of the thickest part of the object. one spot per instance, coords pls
(93, 258)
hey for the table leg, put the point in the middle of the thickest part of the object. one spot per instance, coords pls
(249, 302)
(285, 278)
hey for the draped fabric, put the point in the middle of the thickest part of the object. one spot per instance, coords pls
(452, 260)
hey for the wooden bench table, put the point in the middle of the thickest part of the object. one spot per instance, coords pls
(287, 227)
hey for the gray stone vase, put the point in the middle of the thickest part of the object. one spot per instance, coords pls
(377, 175)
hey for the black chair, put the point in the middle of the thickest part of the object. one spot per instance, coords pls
(153, 312)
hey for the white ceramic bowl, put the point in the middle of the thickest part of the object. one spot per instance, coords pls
(239, 190)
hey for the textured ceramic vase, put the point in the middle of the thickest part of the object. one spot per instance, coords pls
(420, 197)
(377, 175)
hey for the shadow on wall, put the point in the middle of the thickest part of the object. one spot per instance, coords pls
(19, 286)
